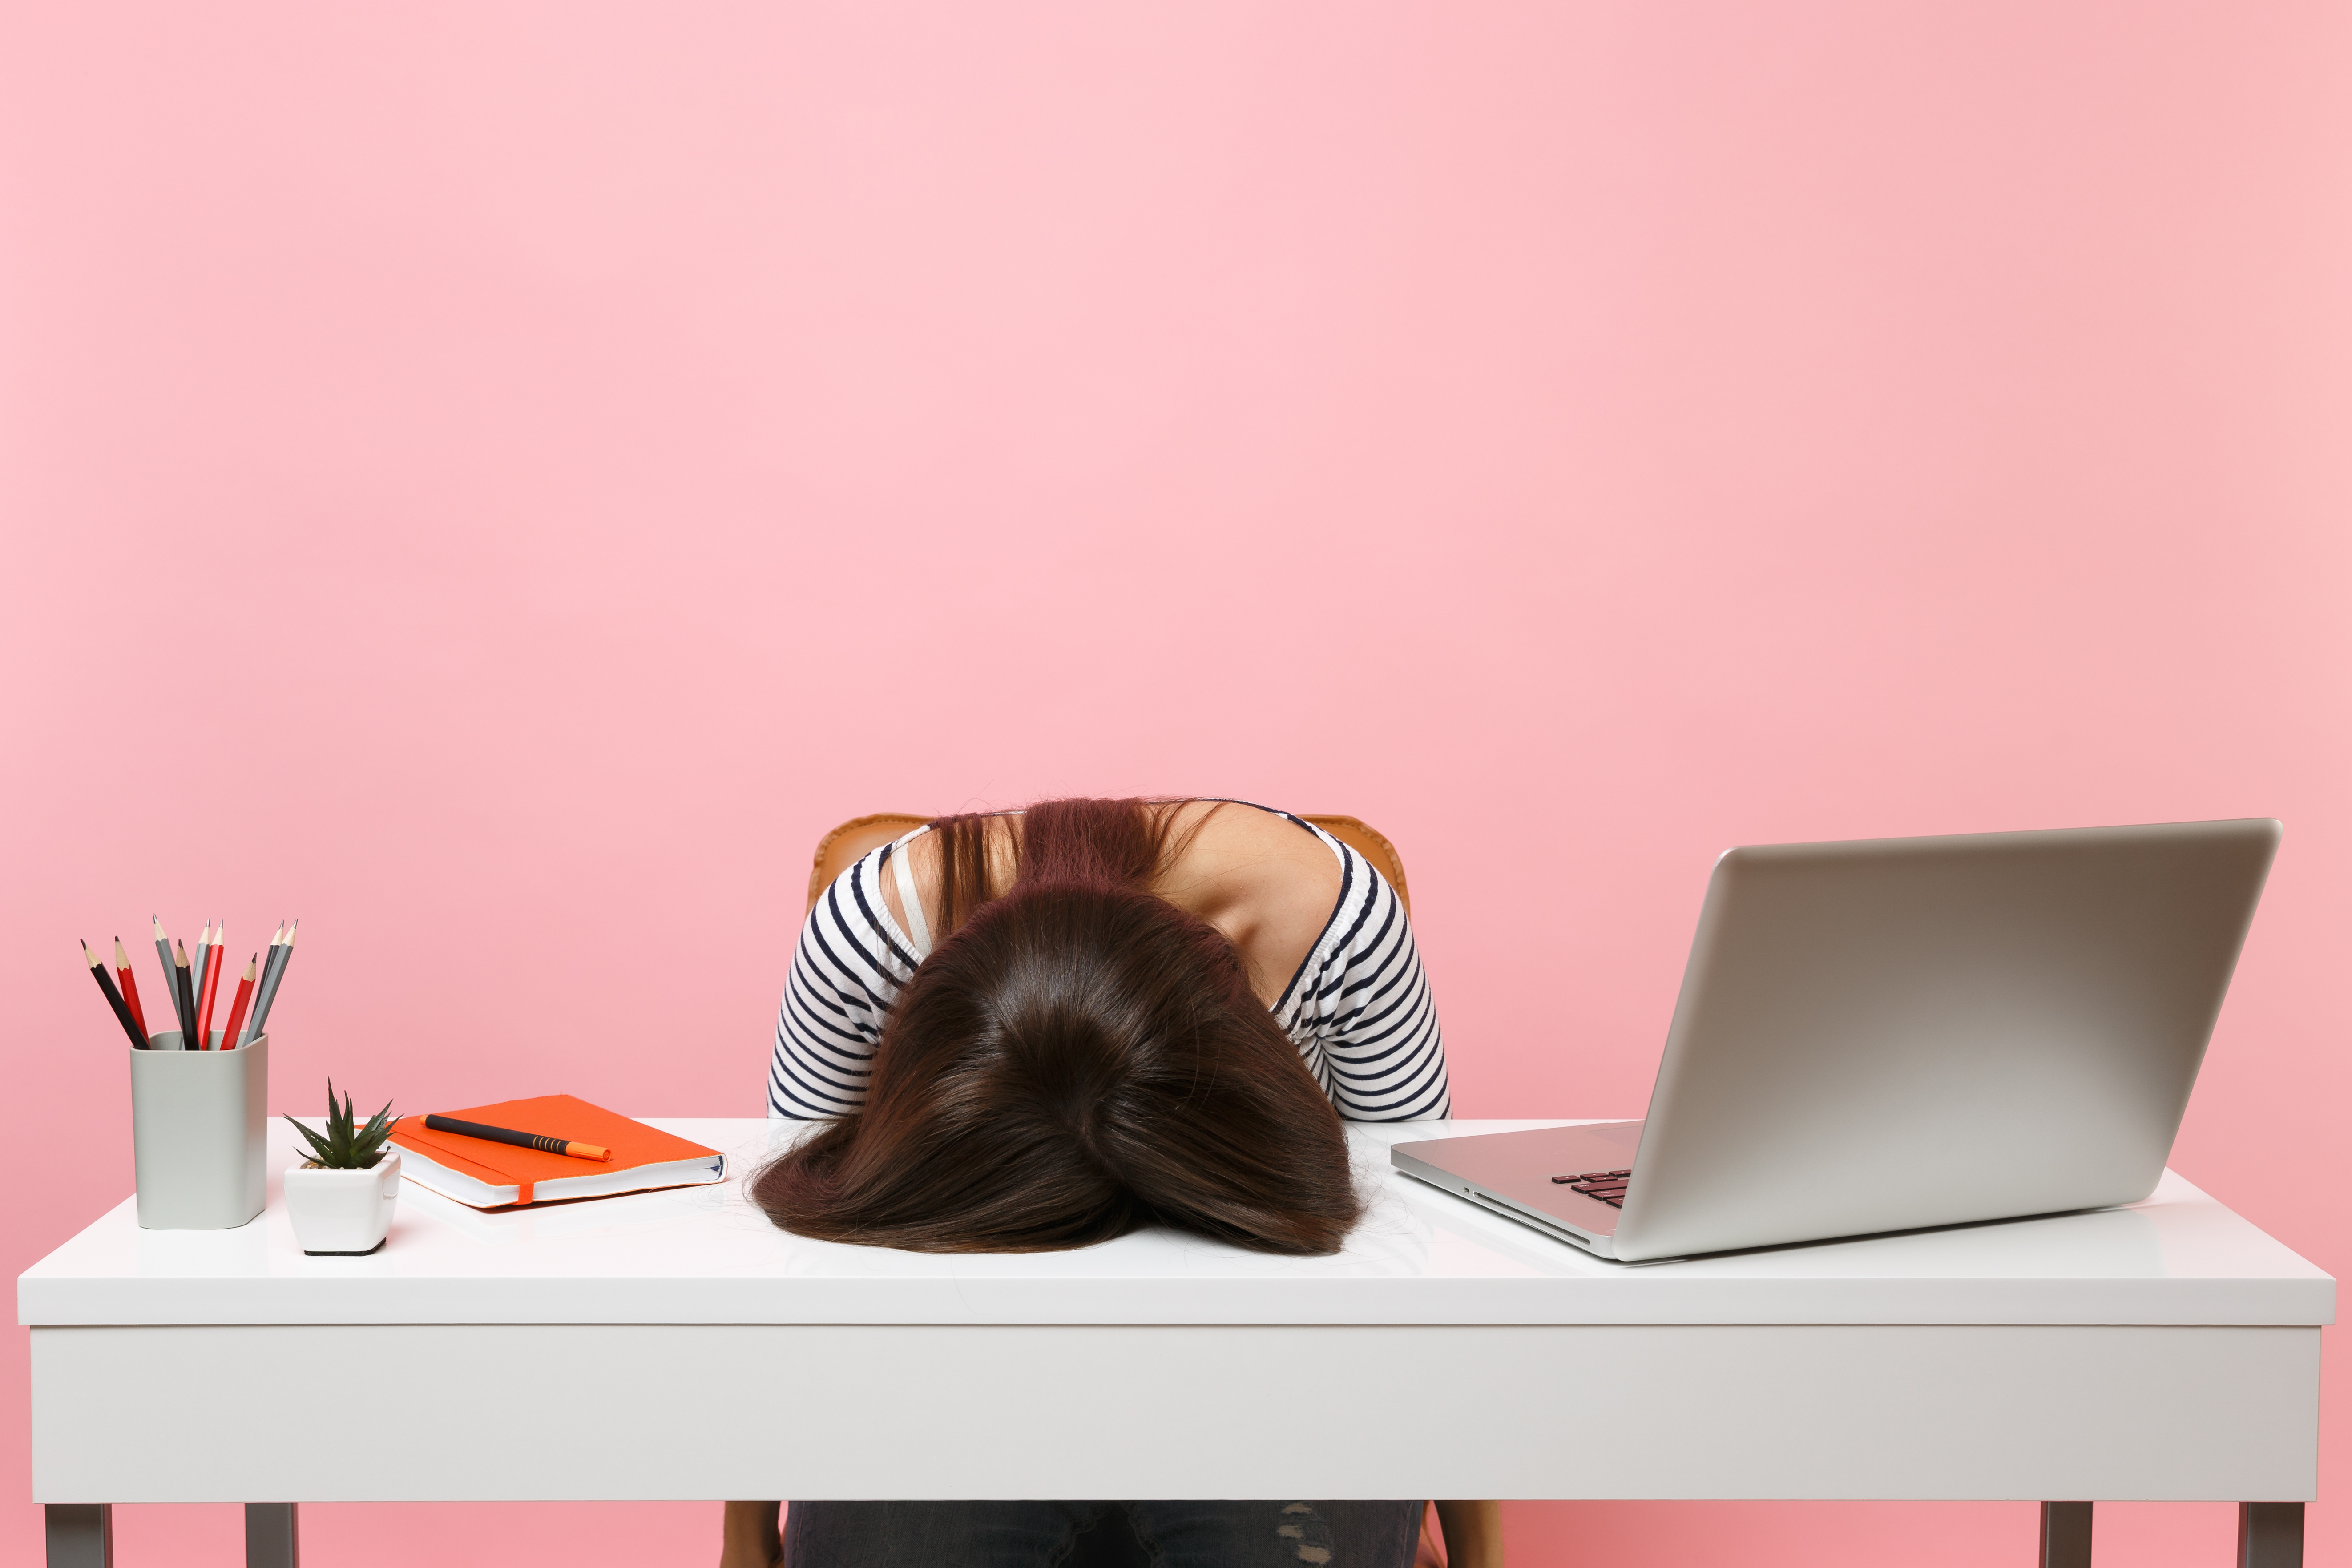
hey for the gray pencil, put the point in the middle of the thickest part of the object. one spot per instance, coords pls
(268, 996)
(268, 970)
(171, 986)
(284, 957)
(205, 947)
(268, 988)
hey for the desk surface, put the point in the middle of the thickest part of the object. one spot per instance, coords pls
(704, 1256)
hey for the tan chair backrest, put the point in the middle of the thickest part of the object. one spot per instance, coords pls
(840, 849)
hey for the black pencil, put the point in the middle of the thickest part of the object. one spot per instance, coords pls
(183, 987)
(113, 997)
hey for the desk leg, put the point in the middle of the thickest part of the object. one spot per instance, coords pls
(271, 1538)
(2270, 1535)
(2065, 1535)
(81, 1534)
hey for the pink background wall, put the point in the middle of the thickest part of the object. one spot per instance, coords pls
(496, 480)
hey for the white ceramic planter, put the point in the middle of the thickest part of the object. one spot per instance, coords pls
(336, 1213)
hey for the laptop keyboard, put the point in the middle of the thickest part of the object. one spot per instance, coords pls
(1609, 1186)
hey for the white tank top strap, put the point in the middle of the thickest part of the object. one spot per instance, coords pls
(917, 926)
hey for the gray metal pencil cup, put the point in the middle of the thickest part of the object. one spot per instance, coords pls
(197, 1119)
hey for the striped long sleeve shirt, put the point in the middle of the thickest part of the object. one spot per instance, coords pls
(1359, 1009)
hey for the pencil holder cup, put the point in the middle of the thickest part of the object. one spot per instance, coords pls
(197, 1125)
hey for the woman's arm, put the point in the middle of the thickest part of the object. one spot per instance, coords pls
(846, 972)
(750, 1538)
(1364, 1006)
(1474, 1534)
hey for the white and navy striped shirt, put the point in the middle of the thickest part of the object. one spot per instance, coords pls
(1358, 1008)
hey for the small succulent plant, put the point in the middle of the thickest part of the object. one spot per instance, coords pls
(343, 1149)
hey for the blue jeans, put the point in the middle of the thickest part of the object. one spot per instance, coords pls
(1100, 1534)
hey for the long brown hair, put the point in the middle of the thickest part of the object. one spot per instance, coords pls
(1077, 1058)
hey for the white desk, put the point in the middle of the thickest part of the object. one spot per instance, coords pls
(2165, 1351)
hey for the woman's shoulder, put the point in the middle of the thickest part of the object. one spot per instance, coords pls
(1272, 874)
(1256, 849)
(861, 906)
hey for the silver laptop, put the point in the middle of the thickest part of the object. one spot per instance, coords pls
(1896, 1033)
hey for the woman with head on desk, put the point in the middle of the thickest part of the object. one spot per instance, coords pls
(1037, 1030)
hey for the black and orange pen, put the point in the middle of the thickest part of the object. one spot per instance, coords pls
(538, 1141)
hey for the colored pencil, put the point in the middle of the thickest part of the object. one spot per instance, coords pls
(269, 982)
(113, 997)
(171, 988)
(271, 979)
(269, 967)
(203, 967)
(185, 984)
(229, 1037)
(130, 989)
(262, 998)
(204, 994)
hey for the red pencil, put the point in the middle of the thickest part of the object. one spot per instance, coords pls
(205, 1006)
(236, 1008)
(129, 988)
(113, 997)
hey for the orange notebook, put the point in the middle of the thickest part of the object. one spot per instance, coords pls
(486, 1175)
